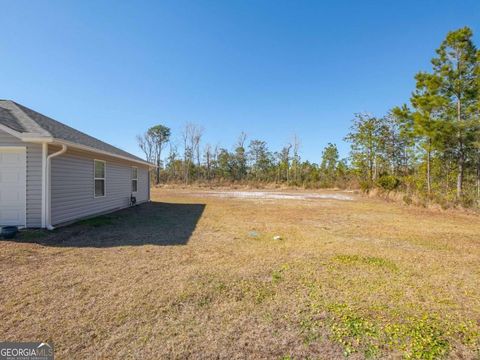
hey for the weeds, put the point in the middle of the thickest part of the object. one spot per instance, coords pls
(421, 337)
(353, 331)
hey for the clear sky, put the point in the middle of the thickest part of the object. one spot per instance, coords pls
(269, 68)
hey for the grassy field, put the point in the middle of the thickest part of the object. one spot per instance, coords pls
(197, 275)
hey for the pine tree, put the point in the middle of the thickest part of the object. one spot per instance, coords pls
(428, 104)
(364, 137)
(455, 68)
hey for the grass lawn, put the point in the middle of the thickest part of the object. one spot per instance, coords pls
(195, 275)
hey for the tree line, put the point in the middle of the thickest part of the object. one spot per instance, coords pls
(248, 162)
(428, 148)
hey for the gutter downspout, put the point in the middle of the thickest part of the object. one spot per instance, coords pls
(48, 194)
(44, 182)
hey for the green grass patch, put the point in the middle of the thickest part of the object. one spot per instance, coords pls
(421, 338)
(278, 275)
(353, 331)
(418, 337)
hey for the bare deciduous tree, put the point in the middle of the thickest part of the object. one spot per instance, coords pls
(191, 136)
(296, 156)
(145, 142)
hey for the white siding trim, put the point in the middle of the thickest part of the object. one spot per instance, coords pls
(13, 148)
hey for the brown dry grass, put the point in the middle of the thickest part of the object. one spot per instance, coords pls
(187, 278)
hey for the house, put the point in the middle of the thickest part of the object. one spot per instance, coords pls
(51, 174)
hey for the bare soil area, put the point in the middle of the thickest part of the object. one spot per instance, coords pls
(276, 195)
(197, 274)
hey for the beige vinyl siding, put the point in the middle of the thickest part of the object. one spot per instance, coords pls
(34, 178)
(72, 186)
(34, 185)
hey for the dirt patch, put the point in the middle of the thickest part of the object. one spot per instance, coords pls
(270, 195)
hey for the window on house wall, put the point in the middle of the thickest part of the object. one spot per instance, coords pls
(99, 177)
(134, 179)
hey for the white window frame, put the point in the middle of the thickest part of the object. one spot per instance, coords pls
(133, 179)
(104, 178)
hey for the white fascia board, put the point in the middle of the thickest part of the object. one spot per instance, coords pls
(94, 150)
(37, 139)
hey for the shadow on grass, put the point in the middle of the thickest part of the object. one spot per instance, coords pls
(154, 223)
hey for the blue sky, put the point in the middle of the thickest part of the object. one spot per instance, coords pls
(269, 68)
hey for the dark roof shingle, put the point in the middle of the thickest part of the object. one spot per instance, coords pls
(9, 120)
(58, 130)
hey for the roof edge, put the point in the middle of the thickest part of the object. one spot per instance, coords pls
(35, 133)
(35, 138)
(97, 151)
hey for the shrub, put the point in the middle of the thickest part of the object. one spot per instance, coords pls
(365, 186)
(407, 199)
(388, 182)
